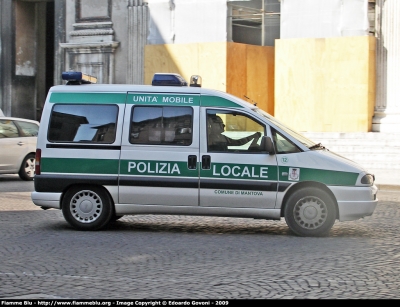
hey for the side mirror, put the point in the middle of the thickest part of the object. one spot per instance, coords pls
(267, 145)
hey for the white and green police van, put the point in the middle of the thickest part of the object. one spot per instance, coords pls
(107, 150)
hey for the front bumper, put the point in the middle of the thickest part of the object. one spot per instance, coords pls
(355, 202)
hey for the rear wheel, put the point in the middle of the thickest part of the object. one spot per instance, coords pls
(27, 170)
(87, 208)
(310, 212)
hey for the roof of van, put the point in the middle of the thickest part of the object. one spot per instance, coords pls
(148, 89)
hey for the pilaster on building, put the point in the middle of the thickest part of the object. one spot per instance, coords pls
(387, 105)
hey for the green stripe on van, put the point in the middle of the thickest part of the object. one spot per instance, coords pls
(180, 169)
(74, 166)
(213, 101)
(327, 177)
(88, 97)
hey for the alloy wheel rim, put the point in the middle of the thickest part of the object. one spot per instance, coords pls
(310, 212)
(86, 206)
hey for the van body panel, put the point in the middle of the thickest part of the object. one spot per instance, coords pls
(269, 214)
(239, 184)
(235, 179)
(153, 150)
(60, 182)
(170, 169)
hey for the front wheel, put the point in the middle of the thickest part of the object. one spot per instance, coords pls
(87, 208)
(310, 212)
(27, 169)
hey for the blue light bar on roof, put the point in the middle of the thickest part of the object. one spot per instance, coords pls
(168, 79)
(77, 77)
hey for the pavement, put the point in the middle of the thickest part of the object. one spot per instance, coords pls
(188, 258)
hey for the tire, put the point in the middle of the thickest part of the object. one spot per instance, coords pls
(310, 212)
(27, 169)
(87, 208)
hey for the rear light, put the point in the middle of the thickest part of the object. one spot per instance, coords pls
(38, 156)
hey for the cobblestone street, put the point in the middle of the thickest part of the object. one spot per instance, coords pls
(177, 257)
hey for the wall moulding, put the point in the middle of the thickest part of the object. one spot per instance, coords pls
(96, 59)
(92, 10)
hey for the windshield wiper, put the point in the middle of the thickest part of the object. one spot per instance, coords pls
(317, 146)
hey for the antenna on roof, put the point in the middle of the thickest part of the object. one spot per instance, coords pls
(252, 101)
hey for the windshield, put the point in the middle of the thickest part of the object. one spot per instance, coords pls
(301, 138)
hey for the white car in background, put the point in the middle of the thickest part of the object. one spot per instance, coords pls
(18, 138)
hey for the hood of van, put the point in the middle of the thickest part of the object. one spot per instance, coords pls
(345, 162)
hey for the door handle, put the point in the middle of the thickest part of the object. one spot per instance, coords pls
(192, 161)
(206, 162)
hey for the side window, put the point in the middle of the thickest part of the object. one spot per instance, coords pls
(28, 129)
(233, 132)
(282, 144)
(161, 125)
(8, 129)
(83, 123)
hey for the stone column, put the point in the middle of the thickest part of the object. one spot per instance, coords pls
(59, 37)
(137, 34)
(6, 63)
(387, 105)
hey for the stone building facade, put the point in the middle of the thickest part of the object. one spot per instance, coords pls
(41, 38)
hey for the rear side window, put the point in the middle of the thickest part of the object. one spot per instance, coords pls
(83, 123)
(161, 125)
(8, 129)
(27, 129)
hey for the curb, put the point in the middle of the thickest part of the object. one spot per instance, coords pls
(388, 187)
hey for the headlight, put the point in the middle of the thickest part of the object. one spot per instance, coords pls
(368, 179)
